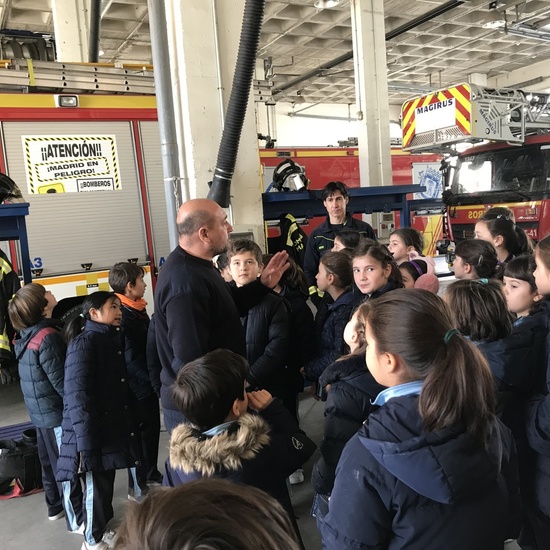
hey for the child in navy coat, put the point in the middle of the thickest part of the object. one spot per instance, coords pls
(433, 467)
(98, 431)
(126, 279)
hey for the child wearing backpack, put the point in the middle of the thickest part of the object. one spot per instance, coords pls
(40, 352)
(98, 431)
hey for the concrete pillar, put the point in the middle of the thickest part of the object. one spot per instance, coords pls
(477, 78)
(204, 42)
(371, 90)
(71, 26)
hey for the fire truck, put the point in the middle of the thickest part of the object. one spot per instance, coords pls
(324, 164)
(508, 164)
(89, 166)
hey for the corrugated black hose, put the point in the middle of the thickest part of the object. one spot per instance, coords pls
(238, 101)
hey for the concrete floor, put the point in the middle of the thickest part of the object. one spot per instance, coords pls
(24, 524)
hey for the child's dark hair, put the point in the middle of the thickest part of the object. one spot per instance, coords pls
(332, 187)
(481, 255)
(206, 388)
(26, 308)
(479, 309)
(123, 273)
(350, 238)
(522, 268)
(238, 246)
(211, 514)
(95, 300)
(339, 265)
(294, 277)
(382, 255)
(415, 268)
(457, 385)
(516, 241)
(543, 251)
(410, 237)
(222, 261)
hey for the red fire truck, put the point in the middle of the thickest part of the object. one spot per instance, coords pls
(511, 165)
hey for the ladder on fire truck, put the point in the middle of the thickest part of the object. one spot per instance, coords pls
(26, 75)
(472, 113)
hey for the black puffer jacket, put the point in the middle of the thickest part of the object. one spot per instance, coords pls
(329, 339)
(348, 405)
(135, 325)
(538, 427)
(302, 334)
(41, 362)
(266, 326)
(98, 429)
(514, 362)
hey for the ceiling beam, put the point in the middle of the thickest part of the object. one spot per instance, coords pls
(317, 72)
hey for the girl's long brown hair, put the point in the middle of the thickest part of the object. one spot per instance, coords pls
(458, 385)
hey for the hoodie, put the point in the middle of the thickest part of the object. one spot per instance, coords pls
(398, 487)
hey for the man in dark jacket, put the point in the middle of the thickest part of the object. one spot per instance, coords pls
(335, 198)
(195, 310)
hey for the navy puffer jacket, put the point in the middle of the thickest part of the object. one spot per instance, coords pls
(538, 425)
(135, 325)
(398, 487)
(347, 407)
(41, 362)
(330, 324)
(98, 432)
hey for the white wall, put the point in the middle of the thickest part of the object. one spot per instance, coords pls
(311, 132)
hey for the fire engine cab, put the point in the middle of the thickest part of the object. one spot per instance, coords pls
(509, 166)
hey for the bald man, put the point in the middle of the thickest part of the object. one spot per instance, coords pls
(195, 310)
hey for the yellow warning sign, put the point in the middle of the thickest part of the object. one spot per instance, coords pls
(71, 164)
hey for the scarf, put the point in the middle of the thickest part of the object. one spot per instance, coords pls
(140, 304)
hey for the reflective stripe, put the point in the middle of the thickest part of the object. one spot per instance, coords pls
(314, 290)
(4, 341)
(5, 266)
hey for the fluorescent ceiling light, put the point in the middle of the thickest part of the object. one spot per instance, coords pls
(529, 32)
(326, 4)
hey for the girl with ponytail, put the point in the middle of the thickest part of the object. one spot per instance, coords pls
(99, 435)
(433, 467)
(501, 231)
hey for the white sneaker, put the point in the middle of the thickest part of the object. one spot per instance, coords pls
(109, 538)
(98, 546)
(296, 477)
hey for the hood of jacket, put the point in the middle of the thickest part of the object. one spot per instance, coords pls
(442, 466)
(23, 337)
(226, 450)
(352, 364)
